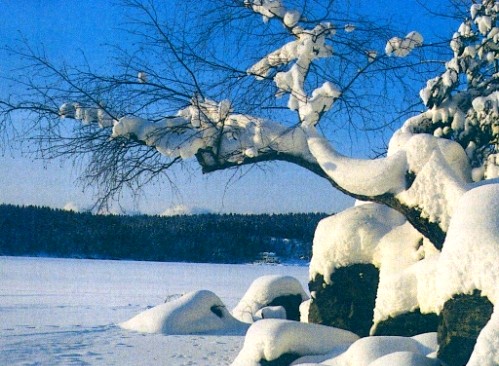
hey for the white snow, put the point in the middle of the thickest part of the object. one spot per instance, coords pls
(64, 311)
(359, 176)
(199, 126)
(402, 47)
(198, 312)
(413, 274)
(486, 350)
(398, 256)
(267, 8)
(270, 339)
(471, 250)
(435, 191)
(261, 293)
(373, 350)
(142, 77)
(350, 237)
(304, 310)
(271, 312)
(405, 358)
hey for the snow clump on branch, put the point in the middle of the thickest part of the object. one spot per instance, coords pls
(402, 47)
(309, 45)
(274, 8)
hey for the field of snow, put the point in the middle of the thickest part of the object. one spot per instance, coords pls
(65, 311)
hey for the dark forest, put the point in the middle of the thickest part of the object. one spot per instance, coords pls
(214, 238)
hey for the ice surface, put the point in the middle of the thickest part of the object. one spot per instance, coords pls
(64, 311)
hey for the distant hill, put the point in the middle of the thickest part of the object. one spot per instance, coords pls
(227, 238)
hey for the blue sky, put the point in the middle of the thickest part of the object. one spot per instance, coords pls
(63, 28)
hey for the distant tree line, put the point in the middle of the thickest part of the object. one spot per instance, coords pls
(216, 238)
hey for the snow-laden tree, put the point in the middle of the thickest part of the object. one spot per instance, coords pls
(311, 74)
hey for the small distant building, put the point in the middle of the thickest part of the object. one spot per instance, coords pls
(267, 258)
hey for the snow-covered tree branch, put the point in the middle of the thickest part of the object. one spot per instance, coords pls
(141, 121)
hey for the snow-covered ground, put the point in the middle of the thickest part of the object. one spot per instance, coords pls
(65, 311)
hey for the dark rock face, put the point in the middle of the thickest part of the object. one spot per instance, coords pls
(408, 324)
(462, 319)
(291, 303)
(348, 302)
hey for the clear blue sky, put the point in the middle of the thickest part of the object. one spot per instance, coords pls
(64, 27)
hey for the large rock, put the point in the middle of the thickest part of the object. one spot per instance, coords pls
(408, 324)
(291, 303)
(462, 319)
(348, 301)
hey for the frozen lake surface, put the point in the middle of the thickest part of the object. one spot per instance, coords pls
(65, 311)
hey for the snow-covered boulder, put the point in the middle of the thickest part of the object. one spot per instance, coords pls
(358, 254)
(273, 290)
(468, 267)
(406, 359)
(199, 312)
(385, 350)
(273, 339)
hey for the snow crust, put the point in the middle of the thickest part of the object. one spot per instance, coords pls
(262, 292)
(270, 339)
(198, 312)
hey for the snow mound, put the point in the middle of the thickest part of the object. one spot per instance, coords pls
(272, 338)
(405, 358)
(404, 258)
(350, 237)
(471, 250)
(469, 261)
(385, 350)
(197, 312)
(262, 292)
(271, 312)
(486, 351)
